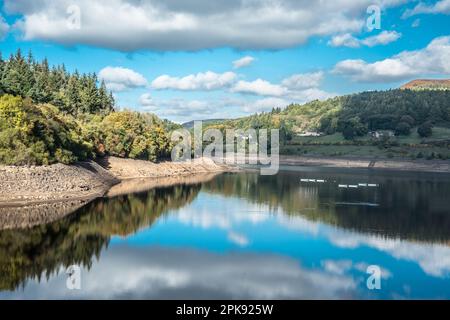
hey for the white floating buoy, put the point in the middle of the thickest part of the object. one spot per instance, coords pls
(353, 186)
(321, 181)
(372, 185)
(312, 180)
(304, 180)
(343, 186)
(362, 184)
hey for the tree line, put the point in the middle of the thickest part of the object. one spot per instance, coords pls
(49, 115)
(399, 110)
(72, 93)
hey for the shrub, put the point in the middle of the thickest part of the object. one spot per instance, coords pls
(425, 130)
(38, 134)
(403, 128)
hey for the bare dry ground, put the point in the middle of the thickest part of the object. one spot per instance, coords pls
(27, 185)
(34, 195)
(132, 169)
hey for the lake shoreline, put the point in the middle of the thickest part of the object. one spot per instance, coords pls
(405, 165)
(85, 181)
(36, 195)
(33, 194)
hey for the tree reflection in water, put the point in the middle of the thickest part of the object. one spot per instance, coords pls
(406, 207)
(78, 238)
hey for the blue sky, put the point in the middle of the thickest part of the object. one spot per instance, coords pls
(175, 58)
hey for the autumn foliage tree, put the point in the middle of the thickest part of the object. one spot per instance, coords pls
(135, 135)
(50, 115)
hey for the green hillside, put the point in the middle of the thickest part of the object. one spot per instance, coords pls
(403, 123)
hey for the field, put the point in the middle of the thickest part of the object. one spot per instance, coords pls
(412, 146)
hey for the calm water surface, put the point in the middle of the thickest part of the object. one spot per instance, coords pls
(243, 235)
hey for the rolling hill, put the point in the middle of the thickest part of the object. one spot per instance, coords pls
(427, 84)
(393, 123)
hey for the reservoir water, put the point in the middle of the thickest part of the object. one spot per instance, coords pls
(302, 234)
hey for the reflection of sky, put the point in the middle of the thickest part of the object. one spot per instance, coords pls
(218, 247)
(159, 272)
(223, 225)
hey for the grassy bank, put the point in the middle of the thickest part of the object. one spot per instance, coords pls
(400, 147)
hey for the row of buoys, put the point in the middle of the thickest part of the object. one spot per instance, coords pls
(351, 186)
(313, 180)
(362, 185)
(355, 186)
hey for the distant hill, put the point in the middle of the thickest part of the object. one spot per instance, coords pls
(428, 84)
(360, 112)
(345, 124)
(190, 124)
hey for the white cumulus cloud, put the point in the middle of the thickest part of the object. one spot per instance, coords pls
(120, 79)
(146, 100)
(303, 80)
(162, 25)
(347, 40)
(259, 87)
(4, 28)
(201, 81)
(297, 88)
(383, 38)
(243, 62)
(434, 59)
(442, 6)
(344, 40)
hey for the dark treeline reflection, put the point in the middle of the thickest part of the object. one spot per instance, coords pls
(78, 238)
(401, 206)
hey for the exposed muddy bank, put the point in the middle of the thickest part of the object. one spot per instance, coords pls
(132, 169)
(55, 183)
(41, 194)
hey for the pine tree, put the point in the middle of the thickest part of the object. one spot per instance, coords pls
(18, 75)
(90, 98)
(41, 91)
(71, 93)
(2, 68)
(112, 102)
(106, 99)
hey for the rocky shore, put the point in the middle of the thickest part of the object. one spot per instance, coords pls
(31, 195)
(46, 184)
(124, 169)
